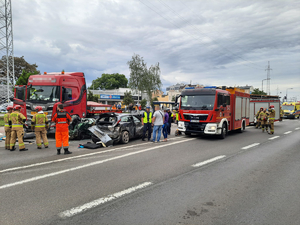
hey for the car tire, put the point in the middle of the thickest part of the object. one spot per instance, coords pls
(95, 139)
(124, 137)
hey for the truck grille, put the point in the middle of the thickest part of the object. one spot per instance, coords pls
(195, 117)
(196, 127)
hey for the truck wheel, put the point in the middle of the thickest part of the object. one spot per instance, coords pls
(242, 128)
(95, 139)
(223, 131)
(125, 137)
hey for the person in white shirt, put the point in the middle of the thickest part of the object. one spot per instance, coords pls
(157, 121)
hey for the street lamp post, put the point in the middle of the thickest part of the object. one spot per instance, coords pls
(262, 84)
(286, 93)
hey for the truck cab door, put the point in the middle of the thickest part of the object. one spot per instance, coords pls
(20, 94)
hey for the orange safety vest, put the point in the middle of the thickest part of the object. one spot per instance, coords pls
(62, 121)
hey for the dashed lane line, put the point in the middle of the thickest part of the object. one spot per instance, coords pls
(288, 132)
(250, 146)
(74, 157)
(91, 164)
(274, 137)
(209, 161)
(79, 209)
(297, 128)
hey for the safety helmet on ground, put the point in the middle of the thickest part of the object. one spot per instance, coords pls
(17, 107)
(9, 108)
(271, 106)
(38, 108)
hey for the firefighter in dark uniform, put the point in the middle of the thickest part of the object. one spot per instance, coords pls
(147, 122)
(16, 122)
(7, 128)
(62, 120)
(39, 124)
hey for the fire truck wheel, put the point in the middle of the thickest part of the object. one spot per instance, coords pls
(242, 128)
(223, 131)
(125, 137)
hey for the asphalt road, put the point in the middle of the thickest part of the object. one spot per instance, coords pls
(247, 178)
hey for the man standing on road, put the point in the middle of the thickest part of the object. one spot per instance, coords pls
(16, 122)
(7, 128)
(39, 124)
(263, 119)
(166, 125)
(147, 123)
(271, 119)
(170, 120)
(157, 121)
(62, 120)
(258, 122)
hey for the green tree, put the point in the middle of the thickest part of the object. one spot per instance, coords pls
(91, 97)
(23, 79)
(143, 103)
(155, 99)
(173, 98)
(142, 78)
(20, 64)
(128, 98)
(110, 81)
(256, 91)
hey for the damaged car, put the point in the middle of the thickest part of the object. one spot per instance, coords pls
(78, 128)
(120, 127)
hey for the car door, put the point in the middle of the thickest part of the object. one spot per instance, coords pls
(138, 126)
(127, 123)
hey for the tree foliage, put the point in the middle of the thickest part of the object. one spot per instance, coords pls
(142, 78)
(128, 98)
(110, 81)
(256, 91)
(23, 79)
(143, 103)
(91, 97)
(173, 98)
(20, 64)
(155, 99)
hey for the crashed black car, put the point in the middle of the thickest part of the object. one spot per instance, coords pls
(119, 127)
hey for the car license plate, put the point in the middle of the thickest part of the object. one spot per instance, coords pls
(194, 121)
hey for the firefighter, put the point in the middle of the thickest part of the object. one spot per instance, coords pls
(257, 118)
(271, 119)
(62, 120)
(263, 119)
(39, 125)
(7, 128)
(16, 122)
(281, 114)
(147, 123)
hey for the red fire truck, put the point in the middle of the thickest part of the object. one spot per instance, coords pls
(213, 111)
(50, 89)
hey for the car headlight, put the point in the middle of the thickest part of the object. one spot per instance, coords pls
(212, 128)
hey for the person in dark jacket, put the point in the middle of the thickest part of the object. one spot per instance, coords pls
(170, 121)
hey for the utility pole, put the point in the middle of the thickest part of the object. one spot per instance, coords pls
(268, 78)
(6, 43)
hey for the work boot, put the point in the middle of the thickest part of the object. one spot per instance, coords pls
(67, 151)
(46, 146)
(13, 149)
(39, 147)
(58, 151)
(23, 149)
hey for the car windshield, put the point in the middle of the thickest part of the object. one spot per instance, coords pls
(196, 102)
(107, 120)
(287, 107)
(43, 94)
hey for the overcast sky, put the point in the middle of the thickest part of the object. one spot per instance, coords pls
(210, 42)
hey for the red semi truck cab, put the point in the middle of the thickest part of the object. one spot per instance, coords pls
(213, 111)
(49, 90)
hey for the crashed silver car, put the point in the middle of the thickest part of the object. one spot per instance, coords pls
(119, 127)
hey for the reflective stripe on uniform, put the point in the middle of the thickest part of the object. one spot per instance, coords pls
(271, 118)
(17, 125)
(62, 122)
(6, 125)
(40, 125)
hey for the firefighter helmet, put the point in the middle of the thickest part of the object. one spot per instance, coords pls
(38, 108)
(17, 107)
(9, 108)
(271, 106)
(261, 107)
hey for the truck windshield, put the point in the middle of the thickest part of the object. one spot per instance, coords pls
(198, 102)
(43, 94)
(288, 107)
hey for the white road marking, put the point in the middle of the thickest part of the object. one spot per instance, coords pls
(288, 132)
(297, 128)
(91, 164)
(74, 157)
(101, 201)
(250, 146)
(209, 161)
(274, 137)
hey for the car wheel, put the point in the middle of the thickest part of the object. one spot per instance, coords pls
(125, 137)
(223, 132)
(95, 139)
